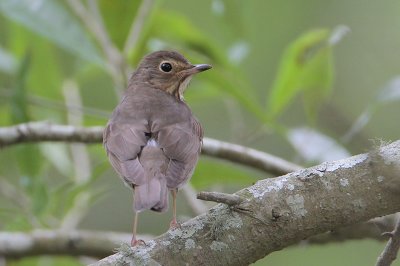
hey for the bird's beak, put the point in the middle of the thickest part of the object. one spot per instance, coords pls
(202, 67)
(197, 69)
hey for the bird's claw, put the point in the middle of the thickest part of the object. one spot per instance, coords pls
(174, 224)
(136, 242)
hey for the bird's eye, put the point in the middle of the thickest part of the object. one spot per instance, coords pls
(166, 67)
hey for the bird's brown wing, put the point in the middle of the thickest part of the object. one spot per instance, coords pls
(181, 143)
(123, 143)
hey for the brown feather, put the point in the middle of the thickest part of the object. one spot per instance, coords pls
(153, 140)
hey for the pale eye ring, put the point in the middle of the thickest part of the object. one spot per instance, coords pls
(165, 66)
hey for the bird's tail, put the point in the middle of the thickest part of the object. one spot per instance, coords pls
(153, 193)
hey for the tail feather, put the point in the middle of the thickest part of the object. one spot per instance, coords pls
(153, 193)
(162, 204)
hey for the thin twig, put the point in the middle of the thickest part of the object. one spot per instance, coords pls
(44, 131)
(389, 254)
(137, 25)
(248, 156)
(219, 197)
(81, 162)
(114, 56)
(93, 22)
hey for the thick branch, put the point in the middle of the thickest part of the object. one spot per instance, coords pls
(101, 244)
(279, 212)
(43, 131)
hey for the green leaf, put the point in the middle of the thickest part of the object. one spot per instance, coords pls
(226, 76)
(317, 81)
(43, 80)
(19, 111)
(237, 89)
(39, 196)
(63, 197)
(27, 155)
(36, 188)
(18, 223)
(112, 12)
(181, 30)
(305, 66)
(51, 20)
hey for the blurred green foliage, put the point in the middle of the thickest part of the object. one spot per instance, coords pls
(273, 72)
(306, 67)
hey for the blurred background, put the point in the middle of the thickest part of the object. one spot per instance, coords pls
(308, 81)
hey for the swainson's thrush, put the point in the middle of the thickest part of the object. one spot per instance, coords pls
(153, 140)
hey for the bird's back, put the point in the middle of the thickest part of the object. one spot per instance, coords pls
(153, 141)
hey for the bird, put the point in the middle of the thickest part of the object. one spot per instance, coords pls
(152, 139)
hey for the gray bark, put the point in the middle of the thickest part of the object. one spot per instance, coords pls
(279, 212)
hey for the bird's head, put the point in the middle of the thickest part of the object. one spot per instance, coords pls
(168, 71)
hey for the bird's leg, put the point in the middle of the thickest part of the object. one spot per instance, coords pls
(174, 223)
(134, 241)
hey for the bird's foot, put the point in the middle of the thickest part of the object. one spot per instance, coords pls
(174, 224)
(136, 242)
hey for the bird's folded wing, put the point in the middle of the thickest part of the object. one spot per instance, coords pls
(123, 143)
(181, 143)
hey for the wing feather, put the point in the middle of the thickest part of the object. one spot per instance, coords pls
(182, 144)
(123, 143)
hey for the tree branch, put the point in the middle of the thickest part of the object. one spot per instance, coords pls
(389, 254)
(44, 131)
(279, 212)
(101, 244)
(248, 156)
(228, 199)
(79, 243)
